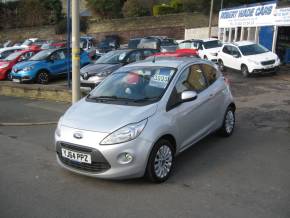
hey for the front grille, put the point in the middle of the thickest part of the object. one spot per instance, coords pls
(99, 163)
(268, 62)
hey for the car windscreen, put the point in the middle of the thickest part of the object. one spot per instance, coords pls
(168, 42)
(212, 44)
(42, 55)
(252, 49)
(138, 84)
(13, 56)
(27, 42)
(112, 57)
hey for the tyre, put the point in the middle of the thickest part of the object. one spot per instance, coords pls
(160, 162)
(221, 65)
(228, 126)
(42, 77)
(245, 71)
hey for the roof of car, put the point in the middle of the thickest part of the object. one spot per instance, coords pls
(11, 48)
(164, 62)
(242, 43)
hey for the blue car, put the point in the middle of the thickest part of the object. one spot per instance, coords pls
(45, 65)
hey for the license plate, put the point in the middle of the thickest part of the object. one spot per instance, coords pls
(76, 156)
(16, 80)
(268, 67)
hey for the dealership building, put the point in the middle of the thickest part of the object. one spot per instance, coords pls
(266, 23)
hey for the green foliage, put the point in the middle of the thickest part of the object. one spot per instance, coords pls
(163, 9)
(30, 13)
(105, 8)
(177, 5)
(133, 8)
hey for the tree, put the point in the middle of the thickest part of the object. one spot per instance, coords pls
(105, 8)
(133, 8)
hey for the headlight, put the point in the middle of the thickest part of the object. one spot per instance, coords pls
(254, 62)
(125, 134)
(104, 73)
(58, 130)
(28, 68)
(3, 66)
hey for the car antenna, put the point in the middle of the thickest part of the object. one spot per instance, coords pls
(154, 59)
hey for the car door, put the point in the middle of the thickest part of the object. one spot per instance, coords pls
(235, 58)
(58, 62)
(216, 88)
(226, 56)
(193, 119)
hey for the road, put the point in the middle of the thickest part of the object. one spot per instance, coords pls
(246, 175)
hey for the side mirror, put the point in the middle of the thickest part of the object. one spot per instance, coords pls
(236, 55)
(187, 96)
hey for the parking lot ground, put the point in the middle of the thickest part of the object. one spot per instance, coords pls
(246, 175)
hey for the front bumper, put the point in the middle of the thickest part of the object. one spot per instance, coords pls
(105, 158)
(266, 70)
(21, 76)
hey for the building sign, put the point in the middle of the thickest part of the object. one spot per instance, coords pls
(256, 15)
(282, 17)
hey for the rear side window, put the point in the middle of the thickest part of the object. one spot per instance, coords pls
(227, 50)
(210, 73)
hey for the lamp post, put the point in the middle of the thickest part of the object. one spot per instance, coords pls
(210, 19)
(68, 39)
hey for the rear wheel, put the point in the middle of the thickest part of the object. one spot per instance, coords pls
(245, 71)
(221, 65)
(42, 77)
(228, 126)
(160, 161)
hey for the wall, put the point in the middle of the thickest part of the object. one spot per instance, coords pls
(200, 33)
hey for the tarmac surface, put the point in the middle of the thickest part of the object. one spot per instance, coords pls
(246, 175)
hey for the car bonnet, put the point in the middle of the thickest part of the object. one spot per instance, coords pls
(106, 118)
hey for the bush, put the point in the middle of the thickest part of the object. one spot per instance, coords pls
(177, 5)
(163, 9)
(132, 8)
(60, 27)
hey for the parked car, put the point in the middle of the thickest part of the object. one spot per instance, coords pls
(143, 115)
(7, 64)
(93, 74)
(150, 42)
(133, 43)
(89, 45)
(54, 44)
(177, 54)
(248, 57)
(168, 45)
(5, 52)
(45, 65)
(208, 48)
(109, 43)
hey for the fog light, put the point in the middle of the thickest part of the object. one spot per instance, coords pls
(125, 158)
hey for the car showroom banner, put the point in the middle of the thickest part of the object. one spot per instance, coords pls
(256, 15)
(282, 17)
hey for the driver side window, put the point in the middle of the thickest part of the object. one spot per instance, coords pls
(191, 79)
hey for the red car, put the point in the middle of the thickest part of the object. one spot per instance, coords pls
(14, 58)
(179, 53)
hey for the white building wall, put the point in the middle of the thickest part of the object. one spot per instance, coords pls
(200, 33)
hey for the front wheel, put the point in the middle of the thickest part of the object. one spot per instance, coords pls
(228, 126)
(42, 77)
(160, 161)
(245, 71)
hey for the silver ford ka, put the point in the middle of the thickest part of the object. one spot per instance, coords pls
(143, 115)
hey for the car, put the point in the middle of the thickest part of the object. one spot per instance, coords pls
(133, 43)
(249, 58)
(93, 74)
(53, 44)
(7, 64)
(150, 42)
(109, 43)
(178, 53)
(168, 45)
(5, 52)
(45, 65)
(142, 116)
(89, 44)
(207, 48)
